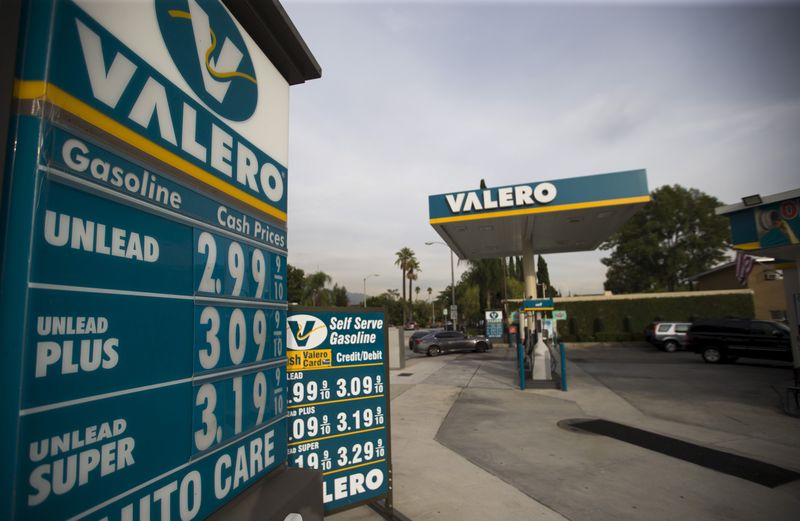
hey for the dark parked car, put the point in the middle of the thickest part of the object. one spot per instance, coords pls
(416, 336)
(439, 342)
(726, 340)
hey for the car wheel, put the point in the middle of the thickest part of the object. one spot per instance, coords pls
(434, 351)
(481, 348)
(712, 355)
(670, 346)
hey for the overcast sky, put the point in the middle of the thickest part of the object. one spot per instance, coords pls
(421, 98)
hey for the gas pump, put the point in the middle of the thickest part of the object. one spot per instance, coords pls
(539, 338)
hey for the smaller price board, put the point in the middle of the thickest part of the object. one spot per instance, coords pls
(494, 324)
(339, 402)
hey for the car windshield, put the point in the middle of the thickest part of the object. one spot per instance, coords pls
(781, 326)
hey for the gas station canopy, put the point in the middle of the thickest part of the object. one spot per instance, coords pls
(564, 215)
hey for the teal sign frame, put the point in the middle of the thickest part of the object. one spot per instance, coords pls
(143, 311)
(559, 194)
(542, 304)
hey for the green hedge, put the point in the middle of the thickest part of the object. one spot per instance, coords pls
(625, 320)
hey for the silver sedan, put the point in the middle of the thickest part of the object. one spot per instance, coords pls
(440, 342)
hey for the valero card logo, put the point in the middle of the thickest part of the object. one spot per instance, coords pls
(305, 332)
(210, 53)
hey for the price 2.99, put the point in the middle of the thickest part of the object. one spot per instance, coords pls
(225, 267)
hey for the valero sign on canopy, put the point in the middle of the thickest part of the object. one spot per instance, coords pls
(144, 264)
(543, 197)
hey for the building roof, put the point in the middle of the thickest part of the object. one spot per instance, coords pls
(765, 199)
(271, 28)
(760, 260)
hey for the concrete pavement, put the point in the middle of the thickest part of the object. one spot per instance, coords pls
(468, 445)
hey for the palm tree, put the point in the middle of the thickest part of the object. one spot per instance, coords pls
(433, 314)
(411, 274)
(313, 286)
(416, 291)
(404, 255)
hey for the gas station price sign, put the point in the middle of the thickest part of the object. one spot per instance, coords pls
(339, 402)
(144, 278)
(494, 323)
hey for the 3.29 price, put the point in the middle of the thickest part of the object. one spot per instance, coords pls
(360, 453)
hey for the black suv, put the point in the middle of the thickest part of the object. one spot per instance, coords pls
(728, 339)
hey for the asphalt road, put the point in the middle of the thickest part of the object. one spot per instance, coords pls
(469, 445)
(734, 397)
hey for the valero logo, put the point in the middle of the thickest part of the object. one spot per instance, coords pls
(210, 53)
(305, 332)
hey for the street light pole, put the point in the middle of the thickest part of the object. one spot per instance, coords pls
(365, 286)
(452, 276)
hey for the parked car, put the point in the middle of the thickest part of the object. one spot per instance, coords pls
(728, 339)
(669, 336)
(440, 342)
(417, 335)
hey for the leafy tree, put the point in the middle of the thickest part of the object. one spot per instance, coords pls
(673, 237)
(390, 300)
(543, 277)
(295, 280)
(421, 312)
(338, 296)
(487, 275)
(469, 305)
(516, 288)
(444, 299)
(517, 272)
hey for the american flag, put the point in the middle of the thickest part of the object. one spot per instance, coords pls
(744, 265)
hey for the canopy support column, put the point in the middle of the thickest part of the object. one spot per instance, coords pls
(539, 353)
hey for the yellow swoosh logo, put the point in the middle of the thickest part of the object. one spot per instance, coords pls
(300, 337)
(233, 74)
